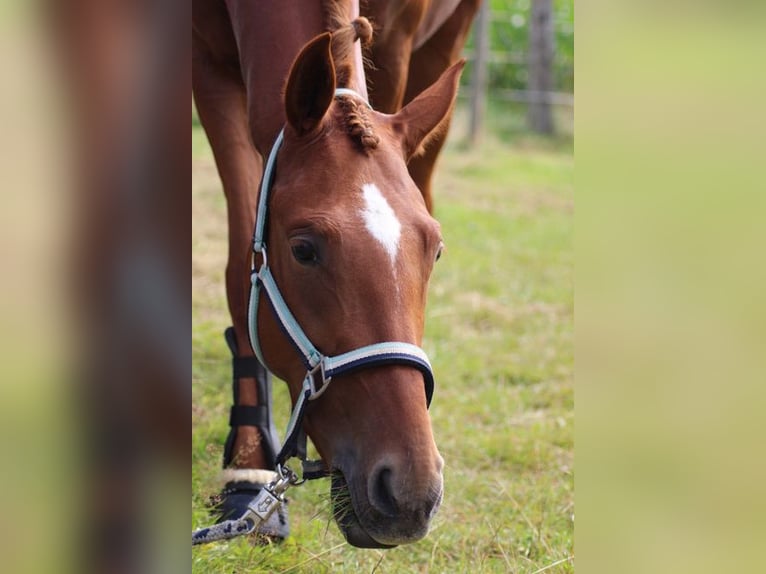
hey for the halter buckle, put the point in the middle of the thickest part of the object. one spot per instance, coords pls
(317, 392)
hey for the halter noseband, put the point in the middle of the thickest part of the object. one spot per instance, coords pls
(320, 368)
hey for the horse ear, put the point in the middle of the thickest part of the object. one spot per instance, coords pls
(310, 85)
(420, 118)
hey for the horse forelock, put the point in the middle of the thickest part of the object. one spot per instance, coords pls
(358, 124)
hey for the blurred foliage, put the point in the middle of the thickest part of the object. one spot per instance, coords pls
(508, 29)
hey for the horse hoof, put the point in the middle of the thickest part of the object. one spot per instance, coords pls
(232, 503)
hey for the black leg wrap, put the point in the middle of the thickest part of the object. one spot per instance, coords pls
(242, 415)
(236, 495)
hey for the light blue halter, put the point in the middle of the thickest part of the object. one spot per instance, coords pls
(320, 368)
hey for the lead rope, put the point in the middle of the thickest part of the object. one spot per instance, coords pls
(266, 502)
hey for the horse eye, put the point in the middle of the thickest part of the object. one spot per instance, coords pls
(305, 253)
(439, 252)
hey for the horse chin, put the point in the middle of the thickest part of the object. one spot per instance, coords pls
(346, 517)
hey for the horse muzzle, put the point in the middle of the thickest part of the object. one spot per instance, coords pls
(391, 505)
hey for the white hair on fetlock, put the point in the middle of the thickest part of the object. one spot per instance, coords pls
(257, 475)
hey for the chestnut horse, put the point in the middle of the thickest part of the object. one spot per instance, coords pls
(351, 239)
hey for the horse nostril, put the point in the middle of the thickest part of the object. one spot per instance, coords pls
(382, 493)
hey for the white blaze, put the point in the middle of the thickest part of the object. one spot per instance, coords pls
(380, 220)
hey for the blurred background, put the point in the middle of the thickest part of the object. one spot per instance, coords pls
(94, 292)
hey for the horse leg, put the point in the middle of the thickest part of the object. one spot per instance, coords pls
(426, 65)
(249, 452)
(395, 26)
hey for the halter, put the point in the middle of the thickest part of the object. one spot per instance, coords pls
(320, 368)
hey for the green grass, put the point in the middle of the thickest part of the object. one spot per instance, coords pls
(499, 334)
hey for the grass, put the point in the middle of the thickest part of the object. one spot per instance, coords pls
(499, 334)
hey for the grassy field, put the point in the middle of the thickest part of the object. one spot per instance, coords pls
(499, 334)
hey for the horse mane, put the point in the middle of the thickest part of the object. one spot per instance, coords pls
(344, 35)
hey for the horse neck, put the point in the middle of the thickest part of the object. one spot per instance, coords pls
(358, 81)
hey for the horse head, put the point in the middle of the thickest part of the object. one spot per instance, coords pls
(351, 246)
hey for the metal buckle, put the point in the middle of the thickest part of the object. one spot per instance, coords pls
(317, 392)
(265, 504)
(272, 495)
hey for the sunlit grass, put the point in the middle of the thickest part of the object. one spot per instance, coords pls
(499, 333)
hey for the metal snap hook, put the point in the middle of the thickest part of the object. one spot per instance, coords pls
(286, 478)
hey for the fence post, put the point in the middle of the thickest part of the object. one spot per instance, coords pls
(541, 52)
(479, 76)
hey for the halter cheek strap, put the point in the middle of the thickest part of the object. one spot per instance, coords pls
(320, 369)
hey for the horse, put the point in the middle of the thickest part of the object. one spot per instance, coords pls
(351, 246)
